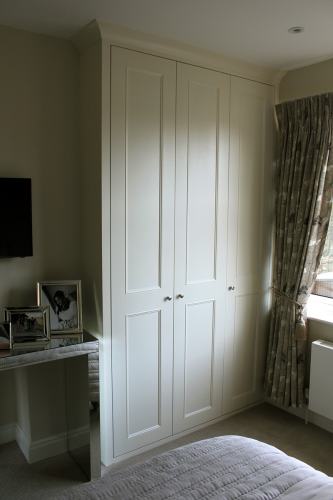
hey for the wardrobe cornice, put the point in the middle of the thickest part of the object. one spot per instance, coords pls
(98, 31)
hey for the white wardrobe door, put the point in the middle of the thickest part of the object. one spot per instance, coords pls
(249, 238)
(142, 238)
(202, 137)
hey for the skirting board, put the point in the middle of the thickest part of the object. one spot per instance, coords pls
(307, 416)
(43, 448)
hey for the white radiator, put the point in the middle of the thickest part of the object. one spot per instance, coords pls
(321, 379)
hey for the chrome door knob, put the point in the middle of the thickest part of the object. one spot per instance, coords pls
(180, 296)
(168, 298)
(231, 288)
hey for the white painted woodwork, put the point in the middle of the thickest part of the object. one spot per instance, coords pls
(190, 216)
(249, 238)
(143, 177)
(143, 339)
(202, 137)
(198, 356)
(143, 97)
(321, 373)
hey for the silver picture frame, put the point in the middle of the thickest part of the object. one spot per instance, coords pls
(29, 325)
(64, 300)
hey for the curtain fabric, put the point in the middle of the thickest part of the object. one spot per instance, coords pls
(303, 208)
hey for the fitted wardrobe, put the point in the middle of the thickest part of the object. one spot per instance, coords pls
(179, 173)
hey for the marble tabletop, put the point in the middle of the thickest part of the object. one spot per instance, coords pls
(59, 347)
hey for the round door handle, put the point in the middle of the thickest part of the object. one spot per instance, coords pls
(168, 298)
(180, 296)
(231, 288)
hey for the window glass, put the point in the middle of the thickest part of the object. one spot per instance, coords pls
(324, 282)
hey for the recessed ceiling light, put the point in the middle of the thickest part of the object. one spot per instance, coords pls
(296, 29)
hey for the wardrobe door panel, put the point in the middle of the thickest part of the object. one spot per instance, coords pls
(202, 137)
(201, 182)
(249, 241)
(143, 382)
(143, 178)
(199, 349)
(142, 233)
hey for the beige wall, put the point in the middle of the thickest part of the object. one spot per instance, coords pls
(39, 123)
(90, 141)
(39, 139)
(303, 82)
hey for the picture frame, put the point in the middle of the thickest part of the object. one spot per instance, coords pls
(29, 325)
(5, 335)
(64, 301)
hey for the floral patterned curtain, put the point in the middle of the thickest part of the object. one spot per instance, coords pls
(303, 208)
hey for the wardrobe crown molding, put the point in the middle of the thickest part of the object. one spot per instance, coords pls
(101, 31)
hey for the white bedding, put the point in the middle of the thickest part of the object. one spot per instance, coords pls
(224, 468)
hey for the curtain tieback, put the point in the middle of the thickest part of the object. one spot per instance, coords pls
(300, 331)
(286, 296)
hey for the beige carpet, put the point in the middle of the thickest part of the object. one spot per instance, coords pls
(19, 480)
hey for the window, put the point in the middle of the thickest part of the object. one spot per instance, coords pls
(324, 282)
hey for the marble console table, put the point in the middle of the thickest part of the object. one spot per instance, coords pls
(68, 349)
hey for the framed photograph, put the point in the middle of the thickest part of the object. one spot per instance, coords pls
(28, 324)
(5, 335)
(64, 300)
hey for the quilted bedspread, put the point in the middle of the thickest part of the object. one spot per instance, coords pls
(227, 467)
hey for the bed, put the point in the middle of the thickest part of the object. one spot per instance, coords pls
(227, 467)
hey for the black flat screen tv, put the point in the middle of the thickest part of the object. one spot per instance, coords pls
(15, 217)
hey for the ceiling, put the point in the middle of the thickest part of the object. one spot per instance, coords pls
(251, 30)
